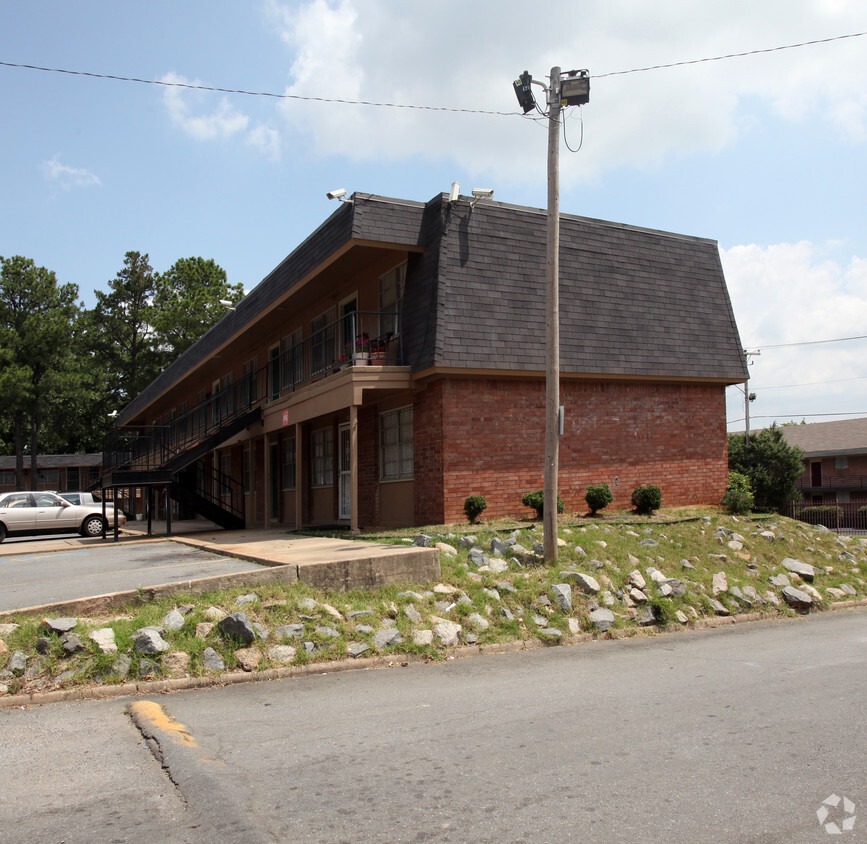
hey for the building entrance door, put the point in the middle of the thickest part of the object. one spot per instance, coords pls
(345, 473)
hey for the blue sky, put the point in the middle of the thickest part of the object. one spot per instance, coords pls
(765, 154)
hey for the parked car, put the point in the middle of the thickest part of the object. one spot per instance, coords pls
(32, 513)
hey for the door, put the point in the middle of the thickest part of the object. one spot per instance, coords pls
(345, 483)
(816, 474)
(18, 511)
(53, 513)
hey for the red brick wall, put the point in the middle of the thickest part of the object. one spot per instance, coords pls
(487, 437)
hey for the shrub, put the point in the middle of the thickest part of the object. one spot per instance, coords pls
(646, 498)
(829, 515)
(597, 497)
(738, 497)
(771, 464)
(536, 500)
(474, 506)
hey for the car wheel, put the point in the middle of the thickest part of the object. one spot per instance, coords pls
(2, 531)
(92, 526)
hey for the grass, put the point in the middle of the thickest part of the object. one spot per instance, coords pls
(517, 603)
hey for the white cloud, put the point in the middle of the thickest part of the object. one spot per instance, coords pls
(222, 122)
(459, 55)
(67, 177)
(266, 140)
(800, 293)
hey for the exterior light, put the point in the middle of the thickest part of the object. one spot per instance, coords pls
(575, 88)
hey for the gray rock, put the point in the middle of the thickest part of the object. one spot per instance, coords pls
(467, 541)
(289, 631)
(539, 620)
(364, 629)
(281, 653)
(215, 613)
(448, 632)
(356, 649)
(104, 638)
(720, 583)
(796, 598)
(149, 641)
(498, 566)
(507, 614)
(499, 548)
(60, 625)
(244, 600)
(17, 662)
(72, 643)
(327, 632)
(580, 551)
(779, 580)
(212, 661)
(412, 614)
(423, 541)
(739, 596)
(647, 616)
(719, 608)
(44, 643)
(261, 631)
(176, 663)
(602, 618)
(492, 594)
(636, 578)
(7, 627)
(562, 593)
(410, 594)
(423, 638)
(678, 587)
(148, 668)
(686, 564)
(849, 590)
(121, 665)
(805, 570)
(173, 620)
(236, 626)
(386, 638)
(587, 584)
(307, 604)
(649, 543)
(505, 586)
(478, 557)
(551, 633)
(637, 595)
(478, 621)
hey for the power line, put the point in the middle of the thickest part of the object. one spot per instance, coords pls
(812, 342)
(341, 101)
(808, 383)
(730, 55)
(802, 415)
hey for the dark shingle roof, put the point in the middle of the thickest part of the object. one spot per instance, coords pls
(54, 461)
(633, 302)
(845, 436)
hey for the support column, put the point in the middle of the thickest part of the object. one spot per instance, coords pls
(266, 478)
(299, 476)
(353, 469)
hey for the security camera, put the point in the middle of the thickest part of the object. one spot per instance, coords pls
(225, 303)
(455, 192)
(336, 194)
(483, 193)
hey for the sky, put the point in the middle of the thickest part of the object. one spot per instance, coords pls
(763, 153)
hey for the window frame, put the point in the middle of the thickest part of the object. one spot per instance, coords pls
(322, 458)
(402, 429)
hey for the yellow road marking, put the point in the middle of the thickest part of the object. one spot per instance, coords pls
(147, 710)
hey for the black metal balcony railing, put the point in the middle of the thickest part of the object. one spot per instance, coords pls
(843, 517)
(361, 338)
(806, 482)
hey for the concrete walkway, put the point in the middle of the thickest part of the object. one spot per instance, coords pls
(322, 562)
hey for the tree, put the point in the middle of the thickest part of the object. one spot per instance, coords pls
(37, 318)
(186, 303)
(120, 330)
(771, 464)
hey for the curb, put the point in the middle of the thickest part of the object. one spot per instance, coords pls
(180, 684)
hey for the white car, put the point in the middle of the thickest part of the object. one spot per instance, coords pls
(31, 513)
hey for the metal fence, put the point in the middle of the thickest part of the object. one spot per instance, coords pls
(842, 517)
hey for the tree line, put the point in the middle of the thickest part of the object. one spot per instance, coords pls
(66, 370)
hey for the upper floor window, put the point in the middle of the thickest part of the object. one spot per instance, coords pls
(322, 343)
(391, 286)
(841, 462)
(292, 363)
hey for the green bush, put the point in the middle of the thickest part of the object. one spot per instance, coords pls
(738, 498)
(536, 500)
(474, 506)
(646, 498)
(829, 515)
(771, 464)
(597, 497)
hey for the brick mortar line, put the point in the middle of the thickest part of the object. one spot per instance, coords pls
(179, 684)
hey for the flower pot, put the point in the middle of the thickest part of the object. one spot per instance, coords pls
(362, 358)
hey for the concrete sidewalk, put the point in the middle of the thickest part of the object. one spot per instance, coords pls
(323, 562)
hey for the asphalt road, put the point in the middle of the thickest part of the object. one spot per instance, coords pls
(34, 579)
(737, 734)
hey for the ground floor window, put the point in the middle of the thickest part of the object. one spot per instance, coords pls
(395, 445)
(248, 479)
(289, 465)
(322, 455)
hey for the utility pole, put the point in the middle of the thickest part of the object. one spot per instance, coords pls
(571, 88)
(552, 317)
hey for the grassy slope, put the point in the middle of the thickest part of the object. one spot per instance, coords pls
(615, 543)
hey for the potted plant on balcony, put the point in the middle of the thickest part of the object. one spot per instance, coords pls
(361, 354)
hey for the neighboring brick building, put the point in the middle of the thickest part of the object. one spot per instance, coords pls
(394, 363)
(59, 472)
(835, 460)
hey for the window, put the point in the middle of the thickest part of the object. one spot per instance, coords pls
(390, 294)
(293, 359)
(7, 477)
(841, 462)
(289, 464)
(249, 387)
(72, 481)
(92, 475)
(322, 456)
(322, 339)
(48, 478)
(395, 445)
(226, 476)
(274, 372)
